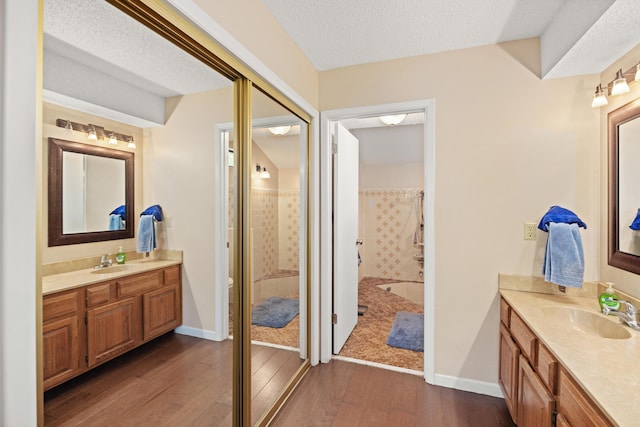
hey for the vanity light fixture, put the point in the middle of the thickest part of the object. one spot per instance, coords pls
(280, 130)
(112, 139)
(265, 174)
(92, 135)
(618, 86)
(68, 126)
(599, 98)
(393, 119)
(131, 144)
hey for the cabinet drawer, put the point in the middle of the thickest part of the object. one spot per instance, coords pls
(504, 312)
(547, 368)
(133, 285)
(172, 275)
(60, 304)
(98, 294)
(576, 406)
(524, 337)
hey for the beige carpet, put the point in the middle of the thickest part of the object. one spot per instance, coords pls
(368, 341)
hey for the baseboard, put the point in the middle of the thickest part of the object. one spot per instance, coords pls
(480, 387)
(197, 332)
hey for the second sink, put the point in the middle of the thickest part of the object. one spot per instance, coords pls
(588, 322)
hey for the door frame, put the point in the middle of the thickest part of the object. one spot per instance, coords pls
(427, 107)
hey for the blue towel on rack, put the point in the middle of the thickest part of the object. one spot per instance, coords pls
(635, 225)
(115, 222)
(146, 234)
(558, 215)
(120, 210)
(154, 210)
(564, 258)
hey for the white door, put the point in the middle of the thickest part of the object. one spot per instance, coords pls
(345, 236)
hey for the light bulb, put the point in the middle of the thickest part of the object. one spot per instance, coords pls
(112, 139)
(92, 134)
(620, 85)
(131, 144)
(393, 119)
(599, 98)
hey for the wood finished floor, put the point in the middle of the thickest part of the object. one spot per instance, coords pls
(177, 380)
(174, 380)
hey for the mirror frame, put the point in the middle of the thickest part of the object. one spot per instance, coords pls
(56, 236)
(615, 118)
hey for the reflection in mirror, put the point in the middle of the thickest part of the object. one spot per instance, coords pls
(624, 194)
(279, 233)
(90, 193)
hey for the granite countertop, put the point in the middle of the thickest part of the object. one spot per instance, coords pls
(74, 279)
(606, 368)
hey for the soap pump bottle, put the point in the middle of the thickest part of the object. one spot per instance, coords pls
(121, 257)
(609, 298)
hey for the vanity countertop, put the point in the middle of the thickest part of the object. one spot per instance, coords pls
(607, 369)
(74, 279)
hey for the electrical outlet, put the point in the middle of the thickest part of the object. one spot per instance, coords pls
(169, 221)
(529, 231)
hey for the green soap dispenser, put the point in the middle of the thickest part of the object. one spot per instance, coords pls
(609, 298)
(121, 257)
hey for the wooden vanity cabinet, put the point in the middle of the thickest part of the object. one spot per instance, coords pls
(89, 325)
(538, 391)
(61, 337)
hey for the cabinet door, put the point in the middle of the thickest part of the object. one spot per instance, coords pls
(61, 351)
(561, 421)
(162, 311)
(508, 375)
(575, 406)
(535, 404)
(112, 329)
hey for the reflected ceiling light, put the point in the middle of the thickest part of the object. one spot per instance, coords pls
(393, 119)
(92, 136)
(280, 130)
(599, 98)
(620, 85)
(112, 139)
(131, 144)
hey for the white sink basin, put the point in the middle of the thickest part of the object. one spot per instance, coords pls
(113, 269)
(588, 322)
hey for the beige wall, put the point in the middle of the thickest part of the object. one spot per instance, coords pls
(508, 146)
(251, 23)
(625, 281)
(50, 114)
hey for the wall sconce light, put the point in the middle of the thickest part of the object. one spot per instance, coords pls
(261, 172)
(393, 119)
(280, 130)
(618, 86)
(95, 132)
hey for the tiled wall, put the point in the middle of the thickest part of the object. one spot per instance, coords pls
(265, 232)
(289, 221)
(390, 220)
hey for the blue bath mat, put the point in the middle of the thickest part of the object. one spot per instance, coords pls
(407, 331)
(275, 312)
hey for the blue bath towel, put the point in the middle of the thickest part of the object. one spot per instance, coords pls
(154, 210)
(558, 215)
(115, 222)
(635, 225)
(146, 234)
(120, 210)
(564, 257)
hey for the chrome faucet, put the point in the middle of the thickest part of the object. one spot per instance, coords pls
(105, 261)
(627, 317)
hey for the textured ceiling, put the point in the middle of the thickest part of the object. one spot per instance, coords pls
(340, 33)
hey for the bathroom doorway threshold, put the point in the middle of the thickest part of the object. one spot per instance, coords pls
(379, 365)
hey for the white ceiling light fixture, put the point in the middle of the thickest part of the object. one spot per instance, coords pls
(599, 98)
(280, 130)
(393, 119)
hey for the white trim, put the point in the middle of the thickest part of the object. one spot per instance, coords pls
(379, 365)
(427, 106)
(198, 333)
(464, 384)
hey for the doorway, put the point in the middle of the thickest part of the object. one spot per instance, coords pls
(399, 242)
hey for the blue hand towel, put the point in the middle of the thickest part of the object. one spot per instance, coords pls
(146, 234)
(564, 258)
(558, 215)
(635, 225)
(115, 222)
(120, 210)
(154, 210)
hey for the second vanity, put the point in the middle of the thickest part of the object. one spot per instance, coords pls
(562, 362)
(93, 315)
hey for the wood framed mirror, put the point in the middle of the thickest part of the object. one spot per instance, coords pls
(86, 185)
(624, 195)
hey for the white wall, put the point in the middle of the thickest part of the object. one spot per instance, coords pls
(19, 163)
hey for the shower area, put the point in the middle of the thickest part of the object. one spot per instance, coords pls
(391, 228)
